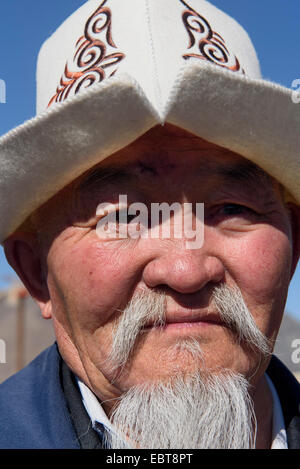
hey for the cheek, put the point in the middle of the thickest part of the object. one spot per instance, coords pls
(92, 281)
(260, 265)
(266, 259)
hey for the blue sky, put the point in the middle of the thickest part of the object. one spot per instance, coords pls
(273, 25)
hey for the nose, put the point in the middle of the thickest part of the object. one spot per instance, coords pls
(183, 270)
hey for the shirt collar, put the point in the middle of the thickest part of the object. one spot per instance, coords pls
(279, 437)
(93, 407)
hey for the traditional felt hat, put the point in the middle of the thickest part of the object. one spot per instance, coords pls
(116, 68)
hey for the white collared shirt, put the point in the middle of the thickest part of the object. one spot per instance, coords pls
(279, 437)
(98, 416)
(93, 407)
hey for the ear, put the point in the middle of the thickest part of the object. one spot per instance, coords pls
(25, 256)
(295, 224)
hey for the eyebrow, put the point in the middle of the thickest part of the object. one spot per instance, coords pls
(110, 174)
(245, 173)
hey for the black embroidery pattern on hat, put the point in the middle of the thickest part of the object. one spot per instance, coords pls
(91, 60)
(210, 44)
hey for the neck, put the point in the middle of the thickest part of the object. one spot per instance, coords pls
(263, 405)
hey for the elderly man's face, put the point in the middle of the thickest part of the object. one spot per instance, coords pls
(247, 244)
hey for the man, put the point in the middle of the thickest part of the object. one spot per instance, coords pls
(163, 341)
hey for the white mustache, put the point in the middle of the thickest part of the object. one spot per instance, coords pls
(234, 312)
(150, 306)
(144, 307)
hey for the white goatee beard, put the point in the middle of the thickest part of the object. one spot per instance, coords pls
(202, 410)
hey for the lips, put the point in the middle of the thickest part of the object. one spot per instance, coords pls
(188, 318)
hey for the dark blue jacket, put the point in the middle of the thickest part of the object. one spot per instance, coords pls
(34, 413)
(33, 409)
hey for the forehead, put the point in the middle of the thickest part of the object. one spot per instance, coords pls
(165, 151)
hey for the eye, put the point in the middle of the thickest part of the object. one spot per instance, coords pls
(231, 214)
(235, 210)
(122, 216)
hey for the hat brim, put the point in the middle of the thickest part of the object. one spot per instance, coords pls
(40, 157)
(254, 118)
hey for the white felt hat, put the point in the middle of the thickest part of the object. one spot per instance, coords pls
(116, 68)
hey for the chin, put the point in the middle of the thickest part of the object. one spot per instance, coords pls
(154, 371)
